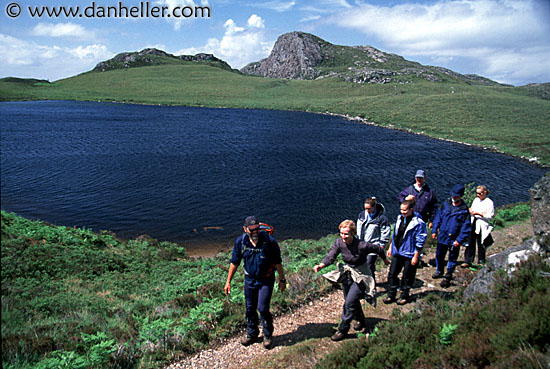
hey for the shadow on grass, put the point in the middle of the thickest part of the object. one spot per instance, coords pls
(318, 330)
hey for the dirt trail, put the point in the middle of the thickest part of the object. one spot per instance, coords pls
(319, 318)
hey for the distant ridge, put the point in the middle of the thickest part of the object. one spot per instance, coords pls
(152, 56)
(300, 55)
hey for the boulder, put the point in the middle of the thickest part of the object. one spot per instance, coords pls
(540, 211)
(506, 260)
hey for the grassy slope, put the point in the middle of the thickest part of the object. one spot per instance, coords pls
(70, 295)
(505, 118)
(72, 298)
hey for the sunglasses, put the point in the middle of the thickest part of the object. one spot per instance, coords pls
(253, 229)
(479, 193)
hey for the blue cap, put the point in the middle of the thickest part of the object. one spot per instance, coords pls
(420, 173)
(458, 190)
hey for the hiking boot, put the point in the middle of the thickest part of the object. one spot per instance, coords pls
(338, 336)
(445, 283)
(437, 275)
(268, 342)
(247, 341)
(403, 300)
(359, 325)
(388, 300)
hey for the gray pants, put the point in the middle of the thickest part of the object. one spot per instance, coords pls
(353, 293)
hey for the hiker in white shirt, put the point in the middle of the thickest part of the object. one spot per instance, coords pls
(481, 211)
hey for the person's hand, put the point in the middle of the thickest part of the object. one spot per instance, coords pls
(409, 197)
(456, 244)
(434, 236)
(386, 262)
(227, 288)
(282, 286)
(388, 253)
(414, 260)
(318, 267)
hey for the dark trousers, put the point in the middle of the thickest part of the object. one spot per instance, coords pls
(440, 254)
(470, 252)
(258, 298)
(353, 293)
(400, 263)
(371, 263)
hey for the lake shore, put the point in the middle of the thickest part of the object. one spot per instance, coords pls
(531, 160)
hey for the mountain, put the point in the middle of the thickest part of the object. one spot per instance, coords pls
(151, 56)
(300, 55)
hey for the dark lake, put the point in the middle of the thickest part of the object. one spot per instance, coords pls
(169, 172)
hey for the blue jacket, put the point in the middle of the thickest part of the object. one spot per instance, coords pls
(259, 261)
(452, 223)
(413, 239)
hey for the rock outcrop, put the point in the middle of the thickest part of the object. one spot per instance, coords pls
(300, 55)
(153, 56)
(540, 211)
(294, 56)
(202, 57)
(130, 59)
(508, 259)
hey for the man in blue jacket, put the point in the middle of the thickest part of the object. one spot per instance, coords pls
(262, 257)
(451, 228)
(407, 242)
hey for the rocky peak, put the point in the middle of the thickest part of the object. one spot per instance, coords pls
(131, 59)
(300, 55)
(294, 56)
(151, 56)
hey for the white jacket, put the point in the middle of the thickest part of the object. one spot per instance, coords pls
(483, 225)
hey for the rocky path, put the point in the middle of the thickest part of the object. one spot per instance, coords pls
(319, 318)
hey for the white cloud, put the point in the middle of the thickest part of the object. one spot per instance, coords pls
(231, 28)
(62, 30)
(239, 45)
(255, 22)
(519, 67)
(499, 34)
(278, 6)
(181, 4)
(310, 18)
(31, 60)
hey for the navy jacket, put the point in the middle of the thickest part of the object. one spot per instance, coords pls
(259, 261)
(452, 223)
(426, 202)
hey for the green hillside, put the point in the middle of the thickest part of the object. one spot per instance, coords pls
(510, 119)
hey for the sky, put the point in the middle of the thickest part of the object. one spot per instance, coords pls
(507, 41)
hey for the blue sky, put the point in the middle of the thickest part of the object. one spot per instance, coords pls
(507, 41)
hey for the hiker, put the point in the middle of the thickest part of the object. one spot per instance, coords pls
(451, 229)
(408, 239)
(373, 227)
(355, 276)
(481, 211)
(426, 201)
(262, 257)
